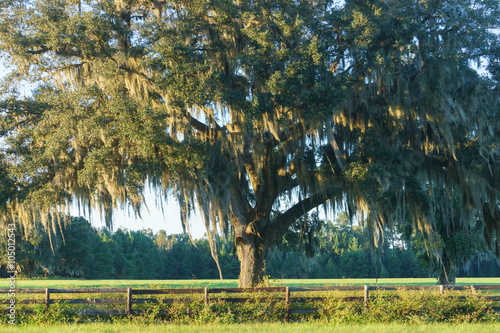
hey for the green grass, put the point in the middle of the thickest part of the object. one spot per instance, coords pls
(80, 283)
(259, 327)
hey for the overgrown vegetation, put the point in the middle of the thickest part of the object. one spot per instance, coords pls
(402, 306)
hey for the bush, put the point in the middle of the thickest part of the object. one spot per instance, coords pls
(402, 306)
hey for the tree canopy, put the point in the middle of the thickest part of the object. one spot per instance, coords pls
(254, 112)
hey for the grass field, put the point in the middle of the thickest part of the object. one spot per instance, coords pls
(271, 328)
(79, 283)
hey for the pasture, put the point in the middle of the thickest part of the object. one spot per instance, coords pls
(80, 283)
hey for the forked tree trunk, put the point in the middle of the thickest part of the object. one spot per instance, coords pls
(248, 226)
(255, 234)
(447, 279)
(447, 273)
(252, 254)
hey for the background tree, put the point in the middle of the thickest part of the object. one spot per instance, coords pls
(255, 111)
(334, 256)
(455, 246)
(63, 251)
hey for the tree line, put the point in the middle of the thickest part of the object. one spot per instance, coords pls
(327, 250)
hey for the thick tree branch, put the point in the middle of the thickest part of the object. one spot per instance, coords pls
(211, 133)
(285, 220)
(40, 51)
(240, 210)
(131, 70)
(64, 49)
(285, 135)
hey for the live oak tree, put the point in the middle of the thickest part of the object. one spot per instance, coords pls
(253, 112)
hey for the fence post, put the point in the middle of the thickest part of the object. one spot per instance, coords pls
(206, 296)
(473, 290)
(441, 289)
(287, 304)
(366, 296)
(47, 298)
(129, 301)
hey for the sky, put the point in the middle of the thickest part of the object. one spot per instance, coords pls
(151, 217)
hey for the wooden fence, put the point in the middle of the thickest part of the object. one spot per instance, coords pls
(135, 296)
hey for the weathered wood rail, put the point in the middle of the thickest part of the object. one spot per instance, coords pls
(129, 300)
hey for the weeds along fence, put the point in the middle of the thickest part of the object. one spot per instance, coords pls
(289, 300)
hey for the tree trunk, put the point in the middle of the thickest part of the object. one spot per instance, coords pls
(252, 254)
(447, 278)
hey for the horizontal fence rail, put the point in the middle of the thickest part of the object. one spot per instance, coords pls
(128, 298)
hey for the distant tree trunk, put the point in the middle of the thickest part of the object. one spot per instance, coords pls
(447, 276)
